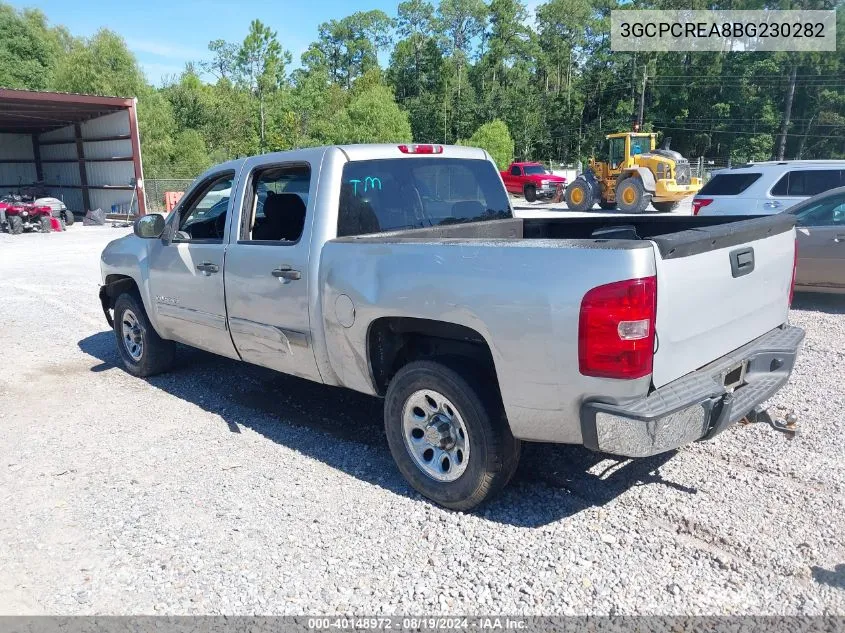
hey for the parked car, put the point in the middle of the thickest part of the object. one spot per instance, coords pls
(821, 242)
(531, 180)
(769, 187)
(406, 276)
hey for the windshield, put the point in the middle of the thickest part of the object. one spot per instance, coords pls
(531, 170)
(403, 193)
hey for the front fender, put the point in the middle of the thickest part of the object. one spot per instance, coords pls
(128, 258)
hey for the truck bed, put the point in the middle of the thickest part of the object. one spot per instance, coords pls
(675, 236)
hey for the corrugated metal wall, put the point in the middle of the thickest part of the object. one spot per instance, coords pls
(16, 147)
(101, 168)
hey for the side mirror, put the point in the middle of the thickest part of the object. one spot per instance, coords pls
(149, 227)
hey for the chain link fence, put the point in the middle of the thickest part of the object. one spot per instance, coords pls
(156, 188)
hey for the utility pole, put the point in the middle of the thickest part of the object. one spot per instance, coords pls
(642, 98)
(445, 99)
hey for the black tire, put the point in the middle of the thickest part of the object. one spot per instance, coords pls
(156, 354)
(45, 224)
(530, 193)
(64, 226)
(15, 224)
(68, 217)
(493, 451)
(579, 196)
(607, 206)
(631, 196)
(665, 207)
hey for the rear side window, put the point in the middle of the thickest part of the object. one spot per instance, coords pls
(405, 193)
(807, 182)
(729, 184)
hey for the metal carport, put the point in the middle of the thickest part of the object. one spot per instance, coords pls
(83, 149)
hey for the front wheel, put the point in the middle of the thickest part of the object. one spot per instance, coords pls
(530, 193)
(579, 196)
(142, 350)
(45, 224)
(67, 215)
(448, 434)
(665, 207)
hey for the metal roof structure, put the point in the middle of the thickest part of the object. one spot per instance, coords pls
(27, 112)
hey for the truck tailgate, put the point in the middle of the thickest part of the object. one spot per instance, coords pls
(718, 288)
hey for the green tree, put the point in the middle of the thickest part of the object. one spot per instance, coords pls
(496, 140)
(261, 64)
(29, 49)
(374, 117)
(101, 65)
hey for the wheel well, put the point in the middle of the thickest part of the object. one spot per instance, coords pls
(393, 342)
(115, 286)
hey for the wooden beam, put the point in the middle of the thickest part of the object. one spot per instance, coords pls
(83, 172)
(136, 154)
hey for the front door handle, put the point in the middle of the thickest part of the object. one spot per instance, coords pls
(206, 268)
(286, 272)
(839, 239)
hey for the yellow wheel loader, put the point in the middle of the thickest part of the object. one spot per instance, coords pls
(632, 174)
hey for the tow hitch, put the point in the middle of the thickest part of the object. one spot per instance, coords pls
(788, 424)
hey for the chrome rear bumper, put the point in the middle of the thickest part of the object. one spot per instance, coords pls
(696, 406)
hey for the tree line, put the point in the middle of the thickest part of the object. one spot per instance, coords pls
(543, 87)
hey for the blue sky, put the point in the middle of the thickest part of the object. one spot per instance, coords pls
(164, 34)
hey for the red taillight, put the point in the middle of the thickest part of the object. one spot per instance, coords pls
(616, 329)
(698, 203)
(421, 149)
(794, 272)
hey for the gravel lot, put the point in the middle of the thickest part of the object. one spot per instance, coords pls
(225, 488)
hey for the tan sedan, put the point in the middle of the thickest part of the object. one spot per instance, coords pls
(821, 242)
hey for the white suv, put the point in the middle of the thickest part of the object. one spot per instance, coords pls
(764, 188)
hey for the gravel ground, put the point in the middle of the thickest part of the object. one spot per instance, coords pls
(199, 492)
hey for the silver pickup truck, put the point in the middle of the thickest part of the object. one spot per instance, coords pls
(400, 271)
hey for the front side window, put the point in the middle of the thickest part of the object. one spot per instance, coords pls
(278, 202)
(515, 171)
(806, 182)
(640, 145)
(402, 193)
(203, 218)
(829, 212)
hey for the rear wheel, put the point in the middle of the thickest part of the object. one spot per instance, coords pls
(665, 207)
(579, 196)
(15, 224)
(67, 214)
(448, 434)
(530, 193)
(631, 196)
(44, 224)
(142, 350)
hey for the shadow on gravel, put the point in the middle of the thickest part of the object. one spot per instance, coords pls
(818, 302)
(553, 481)
(835, 578)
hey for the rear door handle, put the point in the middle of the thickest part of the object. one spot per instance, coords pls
(774, 204)
(286, 272)
(839, 238)
(206, 268)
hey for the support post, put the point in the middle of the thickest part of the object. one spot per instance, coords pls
(83, 173)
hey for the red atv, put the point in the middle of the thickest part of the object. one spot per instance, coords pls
(17, 216)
